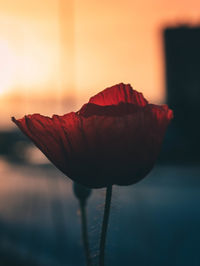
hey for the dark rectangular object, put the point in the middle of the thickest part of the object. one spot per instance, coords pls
(182, 57)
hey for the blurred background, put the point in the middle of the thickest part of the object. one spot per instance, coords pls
(55, 55)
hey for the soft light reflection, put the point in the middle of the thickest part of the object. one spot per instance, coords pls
(35, 156)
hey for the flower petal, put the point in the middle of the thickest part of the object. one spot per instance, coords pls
(48, 136)
(120, 149)
(114, 139)
(121, 109)
(119, 93)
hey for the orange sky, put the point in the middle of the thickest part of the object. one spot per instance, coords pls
(54, 48)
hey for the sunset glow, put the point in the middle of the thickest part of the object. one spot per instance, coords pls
(7, 66)
(76, 48)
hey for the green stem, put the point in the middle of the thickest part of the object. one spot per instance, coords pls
(85, 233)
(105, 225)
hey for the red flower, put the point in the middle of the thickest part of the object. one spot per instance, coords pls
(113, 139)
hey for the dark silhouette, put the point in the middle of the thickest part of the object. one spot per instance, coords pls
(13, 145)
(182, 55)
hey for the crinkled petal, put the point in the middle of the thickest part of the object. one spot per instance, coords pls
(121, 109)
(119, 149)
(119, 93)
(114, 139)
(48, 135)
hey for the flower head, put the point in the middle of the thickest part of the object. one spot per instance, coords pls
(113, 139)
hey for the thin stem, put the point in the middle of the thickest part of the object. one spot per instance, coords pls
(85, 233)
(105, 225)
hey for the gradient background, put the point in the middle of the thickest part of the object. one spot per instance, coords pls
(54, 55)
(54, 49)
